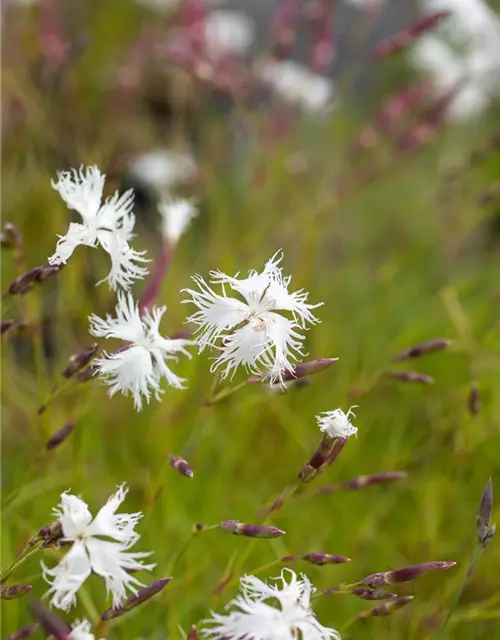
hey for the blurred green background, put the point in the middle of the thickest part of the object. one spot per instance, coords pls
(410, 256)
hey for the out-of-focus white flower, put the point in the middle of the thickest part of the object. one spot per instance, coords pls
(139, 368)
(100, 545)
(81, 630)
(176, 216)
(160, 169)
(109, 224)
(465, 47)
(297, 84)
(228, 32)
(252, 618)
(252, 333)
(336, 423)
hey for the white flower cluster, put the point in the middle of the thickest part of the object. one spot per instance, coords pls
(464, 49)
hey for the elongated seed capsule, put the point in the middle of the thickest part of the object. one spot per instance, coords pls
(421, 349)
(25, 282)
(80, 360)
(409, 376)
(474, 399)
(133, 601)
(485, 530)
(386, 608)
(60, 436)
(250, 530)
(405, 38)
(181, 465)
(24, 633)
(361, 482)
(374, 594)
(51, 624)
(14, 591)
(406, 573)
(317, 558)
(302, 370)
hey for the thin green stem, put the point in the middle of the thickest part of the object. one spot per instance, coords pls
(472, 565)
(29, 550)
(228, 391)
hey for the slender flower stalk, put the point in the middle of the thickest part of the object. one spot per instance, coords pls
(138, 368)
(253, 330)
(100, 545)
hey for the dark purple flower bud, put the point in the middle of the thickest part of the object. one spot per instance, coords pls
(486, 530)
(7, 324)
(180, 465)
(250, 530)
(322, 453)
(49, 270)
(144, 594)
(406, 574)
(60, 436)
(374, 594)
(409, 376)
(360, 482)
(79, 360)
(24, 633)
(192, 633)
(422, 349)
(340, 443)
(85, 374)
(386, 608)
(50, 623)
(317, 558)
(14, 591)
(25, 282)
(302, 370)
(474, 400)
(51, 533)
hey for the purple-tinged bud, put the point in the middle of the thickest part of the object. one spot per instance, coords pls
(25, 282)
(302, 370)
(386, 608)
(79, 360)
(50, 623)
(406, 574)
(317, 558)
(23, 633)
(486, 530)
(52, 532)
(144, 594)
(360, 482)
(322, 454)
(14, 591)
(474, 399)
(374, 594)
(7, 324)
(60, 436)
(409, 376)
(422, 349)
(11, 236)
(340, 443)
(192, 633)
(49, 270)
(250, 530)
(332, 590)
(181, 465)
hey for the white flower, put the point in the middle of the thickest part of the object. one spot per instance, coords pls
(464, 48)
(109, 224)
(162, 168)
(176, 216)
(139, 368)
(297, 84)
(93, 551)
(228, 32)
(81, 630)
(336, 423)
(251, 618)
(253, 334)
